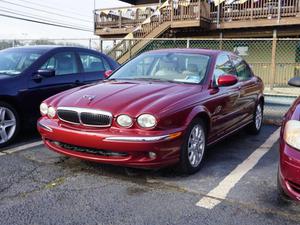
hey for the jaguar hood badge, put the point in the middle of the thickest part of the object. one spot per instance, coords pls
(89, 97)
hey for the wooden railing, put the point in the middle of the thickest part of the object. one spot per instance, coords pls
(135, 16)
(190, 10)
(252, 9)
(123, 17)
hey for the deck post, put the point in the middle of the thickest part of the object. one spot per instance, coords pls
(218, 16)
(172, 10)
(199, 10)
(279, 11)
(273, 65)
(120, 19)
(252, 6)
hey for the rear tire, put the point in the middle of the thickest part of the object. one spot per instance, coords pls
(255, 126)
(194, 147)
(9, 124)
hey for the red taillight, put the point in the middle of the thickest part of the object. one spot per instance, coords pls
(108, 73)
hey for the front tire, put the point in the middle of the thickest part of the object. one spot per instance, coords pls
(256, 124)
(193, 149)
(9, 124)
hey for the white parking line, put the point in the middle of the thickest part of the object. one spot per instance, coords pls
(219, 193)
(21, 148)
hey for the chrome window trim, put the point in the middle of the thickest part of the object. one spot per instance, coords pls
(86, 110)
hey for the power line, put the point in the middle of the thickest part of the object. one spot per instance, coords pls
(51, 7)
(45, 11)
(45, 23)
(33, 16)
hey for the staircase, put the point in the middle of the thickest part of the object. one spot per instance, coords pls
(184, 15)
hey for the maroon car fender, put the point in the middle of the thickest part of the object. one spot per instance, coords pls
(201, 112)
(261, 98)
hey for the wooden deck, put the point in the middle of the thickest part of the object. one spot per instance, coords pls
(193, 13)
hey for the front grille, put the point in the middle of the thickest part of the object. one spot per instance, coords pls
(94, 119)
(68, 116)
(89, 150)
(86, 117)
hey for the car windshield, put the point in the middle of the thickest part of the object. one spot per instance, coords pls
(15, 62)
(176, 67)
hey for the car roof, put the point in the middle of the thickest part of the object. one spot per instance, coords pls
(210, 52)
(46, 48)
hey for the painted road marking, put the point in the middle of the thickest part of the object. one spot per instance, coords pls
(219, 193)
(22, 148)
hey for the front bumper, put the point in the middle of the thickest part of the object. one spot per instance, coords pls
(132, 148)
(289, 170)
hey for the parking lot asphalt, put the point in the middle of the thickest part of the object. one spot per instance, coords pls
(38, 186)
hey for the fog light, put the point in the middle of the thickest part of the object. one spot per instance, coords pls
(152, 155)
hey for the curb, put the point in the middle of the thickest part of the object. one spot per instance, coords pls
(281, 95)
(276, 122)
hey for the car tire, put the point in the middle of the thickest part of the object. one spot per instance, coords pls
(194, 147)
(9, 124)
(255, 126)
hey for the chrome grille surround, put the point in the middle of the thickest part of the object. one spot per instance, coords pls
(80, 111)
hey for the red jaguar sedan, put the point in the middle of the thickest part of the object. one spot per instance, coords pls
(162, 108)
(289, 166)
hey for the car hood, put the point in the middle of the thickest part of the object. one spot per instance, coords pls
(130, 97)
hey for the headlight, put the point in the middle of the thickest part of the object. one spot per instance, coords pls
(51, 112)
(44, 109)
(146, 121)
(124, 121)
(292, 133)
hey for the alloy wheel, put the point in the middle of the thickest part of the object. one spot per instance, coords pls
(258, 117)
(196, 145)
(8, 124)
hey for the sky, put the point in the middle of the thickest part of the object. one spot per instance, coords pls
(80, 10)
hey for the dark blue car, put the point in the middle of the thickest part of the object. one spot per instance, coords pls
(28, 75)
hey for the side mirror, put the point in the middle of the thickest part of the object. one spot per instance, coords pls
(107, 73)
(227, 80)
(295, 82)
(43, 74)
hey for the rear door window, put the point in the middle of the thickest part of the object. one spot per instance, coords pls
(63, 63)
(243, 70)
(93, 63)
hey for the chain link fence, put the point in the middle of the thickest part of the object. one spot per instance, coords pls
(275, 65)
(274, 60)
